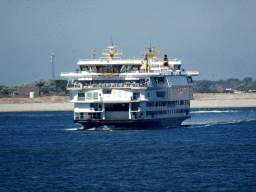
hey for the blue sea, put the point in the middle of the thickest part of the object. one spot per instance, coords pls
(215, 150)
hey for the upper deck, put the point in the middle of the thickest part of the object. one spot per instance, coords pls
(118, 60)
(115, 66)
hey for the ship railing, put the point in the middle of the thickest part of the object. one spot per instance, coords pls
(155, 65)
(114, 59)
(115, 85)
(155, 59)
(192, 72)
(74, 85)
(67, 73)
(174, 73)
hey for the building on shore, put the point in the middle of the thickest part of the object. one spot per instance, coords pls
(29, 92)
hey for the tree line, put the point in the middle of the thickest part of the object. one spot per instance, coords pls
(205, 86)
(45, 86)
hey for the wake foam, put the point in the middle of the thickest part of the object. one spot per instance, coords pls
(102, 128)
(213, 123)
(215, 111)
(75, 129)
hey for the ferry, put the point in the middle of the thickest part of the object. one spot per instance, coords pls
(141, 92)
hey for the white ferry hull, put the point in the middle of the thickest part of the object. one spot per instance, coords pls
(138, 123)
(142, 93)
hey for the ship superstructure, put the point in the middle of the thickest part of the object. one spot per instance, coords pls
(142, 92)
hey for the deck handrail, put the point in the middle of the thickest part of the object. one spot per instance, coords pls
(108, 85)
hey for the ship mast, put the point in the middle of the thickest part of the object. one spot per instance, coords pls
(111, 51)
(151, 53)
(94, 53)
(148, 54)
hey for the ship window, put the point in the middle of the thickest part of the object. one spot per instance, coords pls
(94, 69)
(160, 93)
(89, 95)
(171, 103)
(136, 95)
(179, 90)
(106, 91)
(94, 115)
(129, 67)
(99, 69)
(150, 104)
(159, 79)
(117, 68)
(81, 96)
(85, 68)
(116, 107)
(177, 67)
(123, 68)
(95, 95)
(108, 68)
(135, 67)
(177, 80)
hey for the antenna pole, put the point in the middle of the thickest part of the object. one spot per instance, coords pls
(94, 53)
(52, 61)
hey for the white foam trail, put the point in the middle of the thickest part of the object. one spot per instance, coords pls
(211, 123)
(91, 129)
(102, 128)
(74, 129)
(215, 111)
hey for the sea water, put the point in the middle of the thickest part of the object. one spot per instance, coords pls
(215, 150)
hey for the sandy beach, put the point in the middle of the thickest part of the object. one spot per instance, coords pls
(58, 103)
(223, 100)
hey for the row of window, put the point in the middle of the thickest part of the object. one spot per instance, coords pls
(110, 68)
(86, 116)
(95, 95)
(164, 112)
(167, 103)
(89, 95)
(135, 96)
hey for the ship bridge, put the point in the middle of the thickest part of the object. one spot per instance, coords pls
(113, 66)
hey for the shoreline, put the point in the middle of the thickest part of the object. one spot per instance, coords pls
(201, 101)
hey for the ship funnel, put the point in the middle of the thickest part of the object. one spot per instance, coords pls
(165, 61)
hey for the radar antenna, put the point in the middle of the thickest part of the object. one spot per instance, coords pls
(112, 51)
(150, 53)
(94, 53)
(52, 61)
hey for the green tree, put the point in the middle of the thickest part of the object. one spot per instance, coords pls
(247, 80)
(39, 84)
(61, 85)
(5, 91)
(45, 90)
(204, 88)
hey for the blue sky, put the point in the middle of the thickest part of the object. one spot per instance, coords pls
(215, 37)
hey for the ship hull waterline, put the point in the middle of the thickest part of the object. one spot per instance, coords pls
(136, 123)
